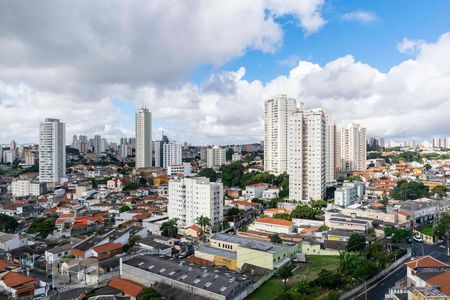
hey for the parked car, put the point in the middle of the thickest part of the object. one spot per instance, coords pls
(418, 239)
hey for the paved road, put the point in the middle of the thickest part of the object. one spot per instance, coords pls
(378, 289)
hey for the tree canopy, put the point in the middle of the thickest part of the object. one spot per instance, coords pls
(208, 173)
(7, 223)
(409, 190)
(169, 228)
(356, 242)
(42, 227)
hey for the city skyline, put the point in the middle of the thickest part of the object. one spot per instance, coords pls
(381, 72)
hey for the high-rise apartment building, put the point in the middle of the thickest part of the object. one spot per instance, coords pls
(191, 198)
(277, 111)
(143, 138)
(215, 156)
(353, 148)
(52, 151)
(309, 133)
(158, 147)
(171, 154)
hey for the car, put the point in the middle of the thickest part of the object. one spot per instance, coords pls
(418, 239)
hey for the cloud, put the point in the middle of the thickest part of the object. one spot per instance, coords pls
(290, 61)
(360, 16)
(409, 100)
(408, 46)
(79, 56)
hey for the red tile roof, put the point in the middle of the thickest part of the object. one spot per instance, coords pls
(279, 222)
(107, 247)
(13, 279)
(425, 262)
(443, 281)
(127, 287)
(4, 264)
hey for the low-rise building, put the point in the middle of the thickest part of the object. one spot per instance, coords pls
(272, 225)
(208, 283)
(255, 190)
(260, 253)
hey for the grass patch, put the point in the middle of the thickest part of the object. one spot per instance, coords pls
(427, 230)
(273, 287)
(314, 264)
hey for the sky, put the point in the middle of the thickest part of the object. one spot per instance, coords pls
(204, 68)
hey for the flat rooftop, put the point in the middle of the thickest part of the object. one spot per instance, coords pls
(250, 243)
(215, 280)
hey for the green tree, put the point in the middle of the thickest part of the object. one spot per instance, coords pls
(133, 240)
(7, 223)
(328, 279)
(42, 227)
(440, 190)
(208, 173)
(303, 287)
(203, 222)
(333, 295)
(442, 227)
(284, 273)
(282, 216)
(151, 294)
(411, 190)
(124, 208)
(427, 167)
(229, 154)
(303, 211)
(354, 178)
(275, 238)
(356, 242)
(169, 228)
(273, 203)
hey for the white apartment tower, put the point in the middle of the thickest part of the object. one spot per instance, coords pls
(191, 198)
(307, 154)
(215, 156)
(353, 148)
(277, 111)
(143, 138)
(171, 154)
(52, 150)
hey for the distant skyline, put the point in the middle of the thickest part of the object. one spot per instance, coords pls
(204, 68)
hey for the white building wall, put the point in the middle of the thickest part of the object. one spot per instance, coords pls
(52, 150)
(191, 198)
(277, 111)
(143, 138)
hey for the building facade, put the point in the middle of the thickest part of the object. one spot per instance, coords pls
(191, 198)
(277, 111)
(52, 151)
(143, 138)
(215, 156)
(353, 148)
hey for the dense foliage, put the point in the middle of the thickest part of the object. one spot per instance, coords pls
(7, 223)
(356, 242)
(169, 228)
(208, 173)
(397, 235)
(442, 227)
(42, 227)
(411, 190)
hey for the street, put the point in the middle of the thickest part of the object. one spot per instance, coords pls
(378, 289)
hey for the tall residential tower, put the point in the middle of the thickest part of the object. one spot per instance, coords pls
(52, 151)
(143, 138)
(276, 114)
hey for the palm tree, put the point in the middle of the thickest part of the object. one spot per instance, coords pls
(203, 222)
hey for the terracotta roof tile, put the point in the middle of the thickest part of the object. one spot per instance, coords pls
(13, 279)
(128, 287)
(274, 221)
(425, 262)
(107, 247)
(443, 281)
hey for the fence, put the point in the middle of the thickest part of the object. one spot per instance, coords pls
(352, 292)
